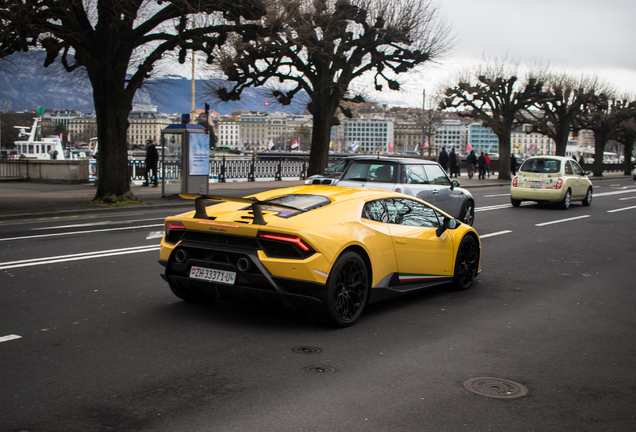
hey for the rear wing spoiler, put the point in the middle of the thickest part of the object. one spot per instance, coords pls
(257, 210)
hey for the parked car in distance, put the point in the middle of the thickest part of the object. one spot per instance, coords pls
(423, 179)
(333, 172)
(326, 250)
(552, 179)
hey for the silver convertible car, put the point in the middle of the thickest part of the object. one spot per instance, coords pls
(423, 179)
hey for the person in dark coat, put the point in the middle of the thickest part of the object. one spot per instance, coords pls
(152, 158)
(513, 164)
(443, 159)
(471, 160)
(481, 161)
(454, 166)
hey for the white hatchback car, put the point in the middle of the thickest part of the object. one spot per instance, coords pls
(554, 179)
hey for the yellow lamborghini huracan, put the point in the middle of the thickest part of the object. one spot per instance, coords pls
(323, 249)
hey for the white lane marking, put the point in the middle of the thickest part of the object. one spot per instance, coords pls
(77, 257)
(562, 220)
(80, 232)
(95, 224)
(614, 193)
(493, 207)
(496, 195)
(10, 337)
(495, 234)
(621, 209)
(154, 235)
(627, 198)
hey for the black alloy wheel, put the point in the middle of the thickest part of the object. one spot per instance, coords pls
(466, 263)
(347, 289)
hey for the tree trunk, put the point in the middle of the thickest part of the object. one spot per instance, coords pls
(323, 110)
(562, 142)
(628, 148)
(504, 156)
(600, 139)
(112, 106)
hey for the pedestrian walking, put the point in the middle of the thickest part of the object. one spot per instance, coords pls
(487, 159)
(481, 166)
(513, 164)
(152, 158)
(443, 159)
(454, 165)
(471, 160)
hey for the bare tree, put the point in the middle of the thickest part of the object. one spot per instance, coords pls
(559, 112)
(626, 135)
(496, 95)
(118, 43)
(603, 116)
(319, 47)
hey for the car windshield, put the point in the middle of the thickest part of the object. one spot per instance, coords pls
(549, 166)
(371, 171)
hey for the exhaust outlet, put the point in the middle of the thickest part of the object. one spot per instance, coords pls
(180, 256)
(243, 264)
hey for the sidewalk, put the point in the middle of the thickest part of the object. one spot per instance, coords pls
(29, 200)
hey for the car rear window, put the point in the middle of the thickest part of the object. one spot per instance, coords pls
(549, 166)
(371, 171)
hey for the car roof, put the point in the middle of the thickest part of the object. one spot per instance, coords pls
(397, 160)
(549, 157)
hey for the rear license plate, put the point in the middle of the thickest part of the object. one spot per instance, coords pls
(537, 185)
(213, 275)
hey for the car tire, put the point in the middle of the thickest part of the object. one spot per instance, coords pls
(566, 201)
(466, 263)
(467, 214)
(588, 198)
(347, 290)
(515, 202)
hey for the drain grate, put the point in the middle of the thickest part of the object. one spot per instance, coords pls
(320, 369)
(306, 350)
(496, 387)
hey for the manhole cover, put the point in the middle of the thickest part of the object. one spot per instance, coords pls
(496, 387)
(306, 350)
(320, 369)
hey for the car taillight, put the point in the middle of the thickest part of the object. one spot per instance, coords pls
(515, 181)
(174, 231)
(170, 225)
(284, 246)
(559, 183)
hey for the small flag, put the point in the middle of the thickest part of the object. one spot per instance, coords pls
(425, 144)
(354, 146)
(295, 145)
(390, 147)
(468, 147)
(270, 145)
(416, 146)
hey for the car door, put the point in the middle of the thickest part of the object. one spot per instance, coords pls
(439, 190)
(577, 179)
(421, 255)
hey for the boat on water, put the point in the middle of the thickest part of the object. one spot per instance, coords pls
(47, 147)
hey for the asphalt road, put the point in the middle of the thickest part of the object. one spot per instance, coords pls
(93, 340)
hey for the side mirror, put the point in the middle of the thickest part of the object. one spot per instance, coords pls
(449, 223)
(454, 184)
(587, 173)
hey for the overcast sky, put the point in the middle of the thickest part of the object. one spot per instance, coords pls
(593, 36)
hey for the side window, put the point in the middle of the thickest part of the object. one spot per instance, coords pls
(568, 168)
(375, 211)
(577, 168)
(404, 211)
(383, 173)
(356, 171)
(436, 175)
(414, 174)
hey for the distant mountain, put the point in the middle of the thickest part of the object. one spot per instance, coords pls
(26, 85)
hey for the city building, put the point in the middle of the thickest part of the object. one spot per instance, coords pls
(367, 135)
(482, 139)
(451, 133)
